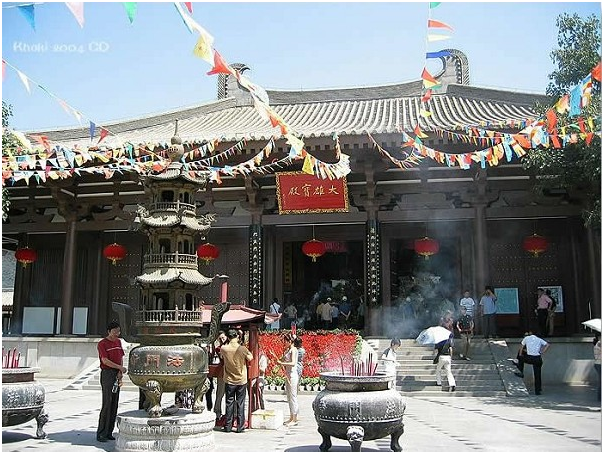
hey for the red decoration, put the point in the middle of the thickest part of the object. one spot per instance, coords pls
(313, 248)
(26, 255)
(301, 193)
(208, 252)
(535, 244)
(426, 247)
(114, 252)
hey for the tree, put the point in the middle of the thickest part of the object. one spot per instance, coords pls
(9, 144)
(575, 168)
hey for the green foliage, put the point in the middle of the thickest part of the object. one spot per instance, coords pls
(9, 143)
(576, 167)
(579, 42)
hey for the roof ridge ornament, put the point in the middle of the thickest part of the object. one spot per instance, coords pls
(176, 150)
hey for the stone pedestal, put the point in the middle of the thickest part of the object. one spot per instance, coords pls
(184, 431)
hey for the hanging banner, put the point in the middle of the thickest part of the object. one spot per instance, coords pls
(299, 192)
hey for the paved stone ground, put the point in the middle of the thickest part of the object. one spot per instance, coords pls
(562, 419)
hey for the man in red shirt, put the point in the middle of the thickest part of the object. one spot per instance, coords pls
(110, 355)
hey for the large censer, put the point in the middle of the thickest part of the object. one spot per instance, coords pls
(357, 408)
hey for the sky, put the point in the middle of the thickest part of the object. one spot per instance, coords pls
(111, 69)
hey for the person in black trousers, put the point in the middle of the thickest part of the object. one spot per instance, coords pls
(235, 357)
(535, 347)
(110, 355)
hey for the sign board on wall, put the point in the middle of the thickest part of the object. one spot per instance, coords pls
(299, 192)
(556, 294)
(507, 301)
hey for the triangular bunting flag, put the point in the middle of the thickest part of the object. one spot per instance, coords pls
(91, 129)
(29, 14)
(427, 96)
(552, 120)
(434, 4)
(596, 73)
(438, 24)
(425, 113)
(440, 53)
(563, 104)
(104, 133)
(77, 9)
(131, 10)
(307, 167)
(203, 48)
(418, 132)
(25, 81)
(189, 6)
(429, 80)
(220, 66)
(432, 38)
(183, 16)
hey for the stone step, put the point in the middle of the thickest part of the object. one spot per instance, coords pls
(439, 394)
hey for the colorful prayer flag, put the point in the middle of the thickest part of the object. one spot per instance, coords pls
(25, 81)
(220, 65)
(434, 4)
(77, 9)
(29, 14)
(432, 38)
(597, 72)
(130, 10)
(440, 53)
(203, 48)
(189, 6)
(438, 24)
(429, 80)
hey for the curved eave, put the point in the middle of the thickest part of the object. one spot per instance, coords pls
(171, 220)
(167, 275)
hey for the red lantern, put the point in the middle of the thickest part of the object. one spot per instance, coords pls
(114, 252)
(313, 248)
(208, 252)
(26, 255)
(535, 244)
(426, 247)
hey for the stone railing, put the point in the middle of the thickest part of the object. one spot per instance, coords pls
(171, 206)
(170, 259)
(174, 315)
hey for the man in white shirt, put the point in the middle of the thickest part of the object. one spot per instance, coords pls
(468, 302)
(535, 347)
(326, 314)
(274, 308)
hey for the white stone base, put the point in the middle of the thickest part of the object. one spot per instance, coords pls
(184, 431)
(267, 419)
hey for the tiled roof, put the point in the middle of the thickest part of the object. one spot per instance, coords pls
(166, 275)
(176, 170)
(385, 109)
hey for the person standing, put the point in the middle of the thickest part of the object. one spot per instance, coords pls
(289, 361)
(274, 308)
(389, 360)
(235, 357)
(291, 315)
(468, 302)
(488, 305)
(221, 341)
(535, 348)
(326, 314)
(465, 325)
(301, 354)
(598, 362)
(262, 366)
(111, 354)
(335, 311)
(345, 311)
(444, 350)
(544, 304)
(551, 314)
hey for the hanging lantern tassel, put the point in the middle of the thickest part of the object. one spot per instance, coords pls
(208, 252)
(26, 255)
(114, 252)
(535, 244)
(313, 248)
(426, 247)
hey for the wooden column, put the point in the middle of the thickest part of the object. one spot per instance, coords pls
(256, 266)
(69, 257)
(481, 248)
